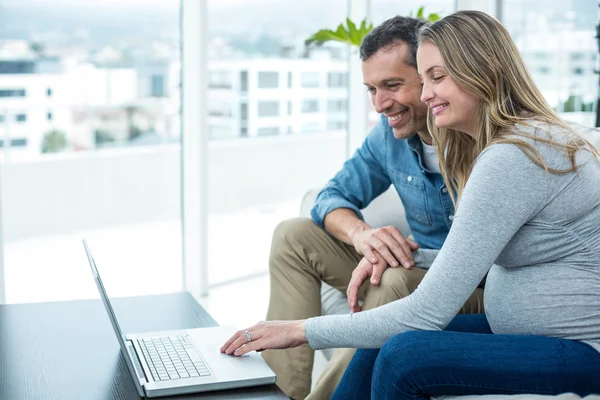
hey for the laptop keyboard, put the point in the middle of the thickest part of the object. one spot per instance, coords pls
(173, 357)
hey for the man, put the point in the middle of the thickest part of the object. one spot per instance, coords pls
(329, 247)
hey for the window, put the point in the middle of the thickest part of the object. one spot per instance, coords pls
(268, 80)
(336, 106)
(310, 106)
(219, 109)
(266, 38)
(91, 94)
(336, 125)
(244, 112)
(268, 108)
(336, 79)
(560, 37)
(12, 92)
(15, 142)
(543, 70)
(310, 79)
(158, 86)
(18, 142)
(577, 56)
(244, 81)
(267, 131)
(219, 80)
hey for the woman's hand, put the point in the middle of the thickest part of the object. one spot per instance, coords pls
(266, 335)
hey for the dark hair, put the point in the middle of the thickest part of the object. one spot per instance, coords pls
(390, 33)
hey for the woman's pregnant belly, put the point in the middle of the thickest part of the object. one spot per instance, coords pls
(551, 300)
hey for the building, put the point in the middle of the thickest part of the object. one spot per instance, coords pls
(41, 95)
(267, 97)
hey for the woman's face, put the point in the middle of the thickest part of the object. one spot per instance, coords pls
(450, 104)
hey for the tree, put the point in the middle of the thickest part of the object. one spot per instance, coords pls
(101, 137)
(54, 141)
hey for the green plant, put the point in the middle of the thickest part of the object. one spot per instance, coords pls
(54, 141)
(353, 35)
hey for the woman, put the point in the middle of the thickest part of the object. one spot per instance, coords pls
(528, 197)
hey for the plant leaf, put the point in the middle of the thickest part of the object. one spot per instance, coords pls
(420, 12)
(326, 35)
(433, 17)
(353, 34)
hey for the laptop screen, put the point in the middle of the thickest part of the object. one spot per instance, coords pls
(110, 311)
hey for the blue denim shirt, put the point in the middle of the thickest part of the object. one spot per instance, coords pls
(383, 160)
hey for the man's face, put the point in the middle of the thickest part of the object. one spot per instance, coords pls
(395, 90)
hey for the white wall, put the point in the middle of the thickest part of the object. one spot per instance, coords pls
(69, 192)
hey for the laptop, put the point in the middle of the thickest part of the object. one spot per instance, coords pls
(183, 361)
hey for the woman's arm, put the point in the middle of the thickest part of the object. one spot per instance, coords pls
(504, 191)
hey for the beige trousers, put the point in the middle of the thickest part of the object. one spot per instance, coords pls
(302, 256)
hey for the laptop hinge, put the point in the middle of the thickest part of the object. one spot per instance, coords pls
(140, 378)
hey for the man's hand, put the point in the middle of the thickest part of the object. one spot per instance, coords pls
(389, 243)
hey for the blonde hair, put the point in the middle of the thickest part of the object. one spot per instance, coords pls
(481, 57)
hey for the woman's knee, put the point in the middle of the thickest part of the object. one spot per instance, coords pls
(403, 356)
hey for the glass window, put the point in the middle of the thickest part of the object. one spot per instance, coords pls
(158, 85)
(310, 79)
(268, 178)
(337, 79)
(268, 108)
(558, 33)
(244, 81)
(267, 131)
(336, 125)
(268, 80)
(220, 80)
(310, 106)
(12, 92)
(18, 142)
(336, 106)
(101, 79)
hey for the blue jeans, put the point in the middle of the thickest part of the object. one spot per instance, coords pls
(467, 358)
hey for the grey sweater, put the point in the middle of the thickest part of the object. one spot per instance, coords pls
(536, 233)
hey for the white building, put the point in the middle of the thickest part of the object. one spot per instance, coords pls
(33, 103)
(563, 64)
(265, 97)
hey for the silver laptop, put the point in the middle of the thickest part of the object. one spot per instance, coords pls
(183, 361)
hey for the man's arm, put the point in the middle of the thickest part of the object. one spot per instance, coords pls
(344, 224)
